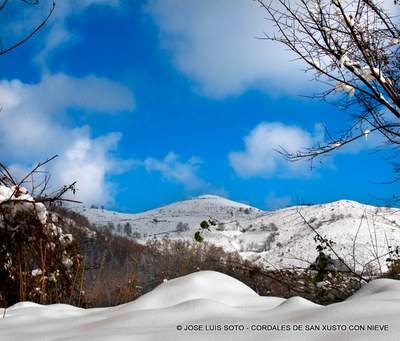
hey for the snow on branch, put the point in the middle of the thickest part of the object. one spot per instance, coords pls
(353, 47)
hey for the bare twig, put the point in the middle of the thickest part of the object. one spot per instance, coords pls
(331, 248)
(34, 31)
(353, 47)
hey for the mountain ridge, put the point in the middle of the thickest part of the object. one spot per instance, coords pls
(277, 239)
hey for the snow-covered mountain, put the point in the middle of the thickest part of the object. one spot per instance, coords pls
(278, 239)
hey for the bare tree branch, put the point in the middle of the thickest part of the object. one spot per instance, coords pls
(8, 180)
(353, 49)
(33, 32)
(3, 4)
(330, 247)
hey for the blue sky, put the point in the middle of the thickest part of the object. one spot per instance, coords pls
(151, 102)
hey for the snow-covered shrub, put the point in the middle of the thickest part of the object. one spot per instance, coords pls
(38, 262)
(182, 227)
(393, 262)
(220, 226)
(127, 229)
(136, 235)
(330, 279)
(270, 227)
(270, 239)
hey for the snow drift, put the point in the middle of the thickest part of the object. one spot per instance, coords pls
(207, 306)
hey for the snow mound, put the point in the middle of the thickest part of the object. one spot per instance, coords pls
(212, 306)
(209, 285)
(379, 288)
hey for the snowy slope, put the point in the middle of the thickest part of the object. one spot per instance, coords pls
(278, 239)
(212, 306)
(163, 221)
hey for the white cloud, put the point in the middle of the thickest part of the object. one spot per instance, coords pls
(260, 157)
(33, 121)
(91, 93)
(174, 171)
(274, 202)
(88, 161)
(10, 94)
(34, 126)
(214, 43)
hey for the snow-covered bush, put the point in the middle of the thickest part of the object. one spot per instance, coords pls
(182, 227)
(330, 279)
(270, 227)
(38, 262)
(393, 262)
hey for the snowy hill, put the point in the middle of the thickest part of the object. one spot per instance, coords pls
(163, 221)
(277, 239)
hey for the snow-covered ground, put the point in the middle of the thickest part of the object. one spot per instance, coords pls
(277, 239)
(213, 306)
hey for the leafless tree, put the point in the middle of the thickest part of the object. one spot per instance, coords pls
(352, 47)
